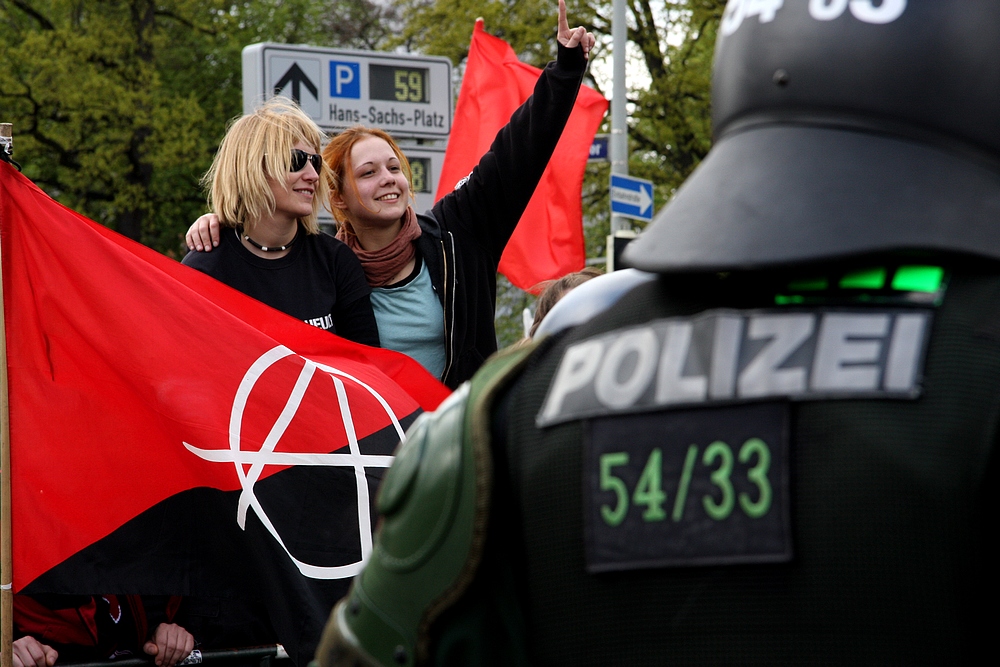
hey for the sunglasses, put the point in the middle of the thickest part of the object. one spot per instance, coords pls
(300, 157)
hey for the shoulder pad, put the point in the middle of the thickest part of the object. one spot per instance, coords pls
(591, 298)
(434, 504)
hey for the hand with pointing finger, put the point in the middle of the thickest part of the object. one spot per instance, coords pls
(577, 36)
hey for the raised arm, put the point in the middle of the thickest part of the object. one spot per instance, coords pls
(487, 207)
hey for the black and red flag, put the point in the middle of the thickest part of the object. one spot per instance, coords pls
(171, 436)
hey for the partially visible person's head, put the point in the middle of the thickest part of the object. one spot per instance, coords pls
(343, 184)
(553, 290)
(256, 152)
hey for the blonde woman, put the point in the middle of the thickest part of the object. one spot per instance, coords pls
(265, 185)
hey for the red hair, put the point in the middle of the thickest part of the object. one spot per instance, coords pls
(337, 156)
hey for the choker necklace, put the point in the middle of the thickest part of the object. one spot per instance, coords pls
(264, 248)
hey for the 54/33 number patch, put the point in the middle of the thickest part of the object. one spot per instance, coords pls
(692, 487)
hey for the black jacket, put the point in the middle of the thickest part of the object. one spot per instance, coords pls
(465, 233)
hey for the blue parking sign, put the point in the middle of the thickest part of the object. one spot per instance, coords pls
(631, 197)
(345, 79)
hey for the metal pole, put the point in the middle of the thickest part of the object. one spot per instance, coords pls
(221, 656)
(6, 577)
(618, 143)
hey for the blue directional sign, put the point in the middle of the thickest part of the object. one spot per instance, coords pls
(631, 197)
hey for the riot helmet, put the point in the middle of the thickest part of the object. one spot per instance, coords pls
(842, 127)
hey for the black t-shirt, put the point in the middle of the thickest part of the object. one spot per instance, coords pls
(320, 281)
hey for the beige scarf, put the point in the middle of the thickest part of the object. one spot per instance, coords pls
(381, 265)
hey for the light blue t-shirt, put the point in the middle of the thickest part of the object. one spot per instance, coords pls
(411, 320)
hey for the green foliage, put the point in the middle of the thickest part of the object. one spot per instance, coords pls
(444, 27)
(101, 121)
(119, 105)
(668, 100)
(511, 302)
(670, 126)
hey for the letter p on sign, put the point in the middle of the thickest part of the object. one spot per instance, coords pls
(345, 79)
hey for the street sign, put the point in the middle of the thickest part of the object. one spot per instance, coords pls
(599, 149)
(405, 95)
(631, 197)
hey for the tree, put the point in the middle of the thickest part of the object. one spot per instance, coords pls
(444, 27)
(670, 127)
(118, 105)
(669, 124)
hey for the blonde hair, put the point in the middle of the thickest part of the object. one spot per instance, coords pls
(257, 147)
(337, 157)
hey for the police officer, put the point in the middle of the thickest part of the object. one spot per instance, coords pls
(780, 447)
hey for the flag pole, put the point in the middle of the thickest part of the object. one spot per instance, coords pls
(6, 561)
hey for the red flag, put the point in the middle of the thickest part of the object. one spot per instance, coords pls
(548, 242)
(134, 380)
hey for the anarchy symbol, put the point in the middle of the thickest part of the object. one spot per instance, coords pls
(267, 456)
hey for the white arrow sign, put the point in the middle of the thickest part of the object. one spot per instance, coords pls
(631, 197)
